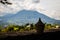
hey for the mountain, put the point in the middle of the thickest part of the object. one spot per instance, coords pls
(27, 16)
(3, 19)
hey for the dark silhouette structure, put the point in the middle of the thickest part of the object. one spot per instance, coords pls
(40, 26)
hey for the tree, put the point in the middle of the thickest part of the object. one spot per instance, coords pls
(32, 26)
(10, 28)
(27, 24)
(40, 26)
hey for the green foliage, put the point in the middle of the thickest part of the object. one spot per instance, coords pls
(50, 26)
(21, 30)
(14, 28)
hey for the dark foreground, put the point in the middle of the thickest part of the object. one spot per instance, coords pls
(44, 36)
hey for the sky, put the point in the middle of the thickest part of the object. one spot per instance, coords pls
(49, 8)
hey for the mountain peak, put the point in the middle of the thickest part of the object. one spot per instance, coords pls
(28, 16)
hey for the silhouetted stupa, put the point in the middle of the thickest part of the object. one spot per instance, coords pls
(40, 26)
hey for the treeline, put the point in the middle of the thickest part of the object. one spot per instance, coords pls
(51, 26)
(14, 28)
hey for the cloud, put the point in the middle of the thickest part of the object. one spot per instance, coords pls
(50, 8)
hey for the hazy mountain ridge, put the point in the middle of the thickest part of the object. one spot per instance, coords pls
(27, 16)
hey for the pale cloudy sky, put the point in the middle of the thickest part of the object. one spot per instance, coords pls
(50, 8)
